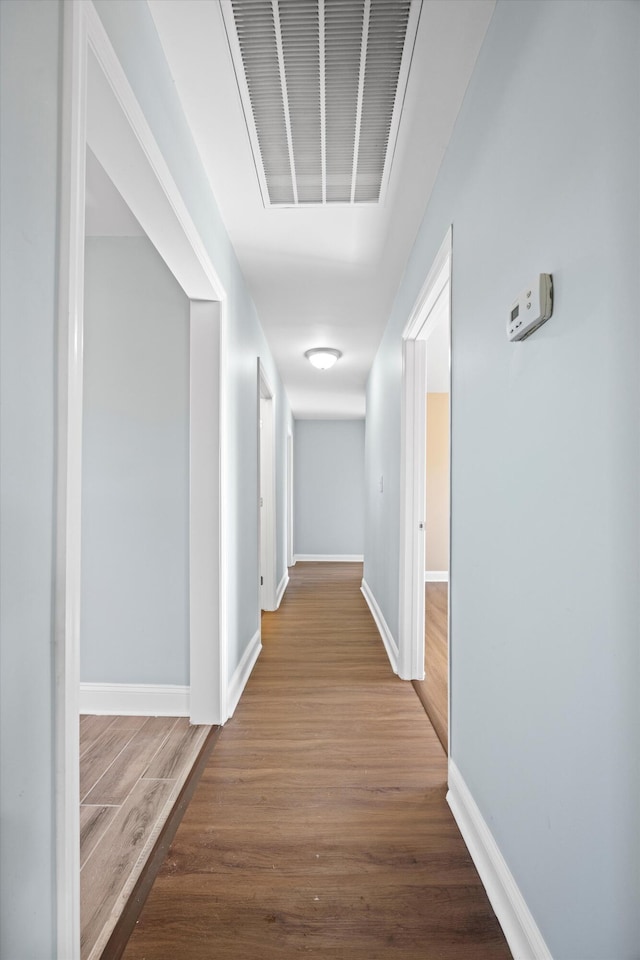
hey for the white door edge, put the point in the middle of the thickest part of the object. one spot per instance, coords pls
(267, 491)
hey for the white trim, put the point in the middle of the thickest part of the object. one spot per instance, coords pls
(436, 576)
(205, 511)
(135, 699)
(430, 291)
(69, 479)
(223, 521)
(289, 522)
(412, 510)
(282, 586)
(241, 79)
(390, 644)
(243, 671)
(520, 929)
(431, 307)
(328, 558)
(401, 89)
(267, 485)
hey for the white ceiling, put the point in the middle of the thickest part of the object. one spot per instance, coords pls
(324, 276)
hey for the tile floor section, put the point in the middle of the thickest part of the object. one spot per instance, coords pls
(132, 770)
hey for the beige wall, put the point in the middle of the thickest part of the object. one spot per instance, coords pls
(437, 554)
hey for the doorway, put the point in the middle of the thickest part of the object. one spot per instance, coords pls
(101, 111)
(424, 519)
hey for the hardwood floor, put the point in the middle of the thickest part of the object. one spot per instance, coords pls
(319, 826)
(131, 772)
(434, 689)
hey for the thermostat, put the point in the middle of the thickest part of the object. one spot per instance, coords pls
(531, 309)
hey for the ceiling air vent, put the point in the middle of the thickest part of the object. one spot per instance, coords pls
(322, 85)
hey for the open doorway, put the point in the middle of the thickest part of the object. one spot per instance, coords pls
(137, 746)
(425, 512)
(135, 465)
(101, 112)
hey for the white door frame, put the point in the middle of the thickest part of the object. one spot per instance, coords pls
(266, 493)
(434, 296)
(290, 555)
(208, 669)
(99, 108)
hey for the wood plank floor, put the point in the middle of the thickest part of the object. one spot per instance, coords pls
(434, 689)
(131, 772)
(319, 827)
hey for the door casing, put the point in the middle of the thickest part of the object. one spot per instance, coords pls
(266, 492)
(433, 299)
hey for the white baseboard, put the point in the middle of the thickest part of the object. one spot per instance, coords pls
(282, 586)
(243, 672)
(390, 644)
(436, 576)
(520, 929)
(135, 699)
(329, 557)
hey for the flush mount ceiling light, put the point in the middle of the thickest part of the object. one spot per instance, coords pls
(323, 357)
(322, 84)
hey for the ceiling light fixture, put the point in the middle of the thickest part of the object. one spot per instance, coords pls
(323, 357)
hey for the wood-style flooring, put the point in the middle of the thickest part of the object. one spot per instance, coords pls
(319, 827)
(131, 772)
(434, 689)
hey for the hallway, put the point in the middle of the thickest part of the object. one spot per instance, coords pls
(320, 826)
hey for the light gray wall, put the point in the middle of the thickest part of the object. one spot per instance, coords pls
(135, 496)
(135, 39)
(328, 458)
(541, 175)
(30, 65)
(29, 104)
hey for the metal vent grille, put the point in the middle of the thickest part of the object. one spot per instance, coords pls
(322, 85)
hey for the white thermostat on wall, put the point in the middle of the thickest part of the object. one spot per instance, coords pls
(530, 310)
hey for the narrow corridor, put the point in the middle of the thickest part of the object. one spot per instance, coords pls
(320, 826)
